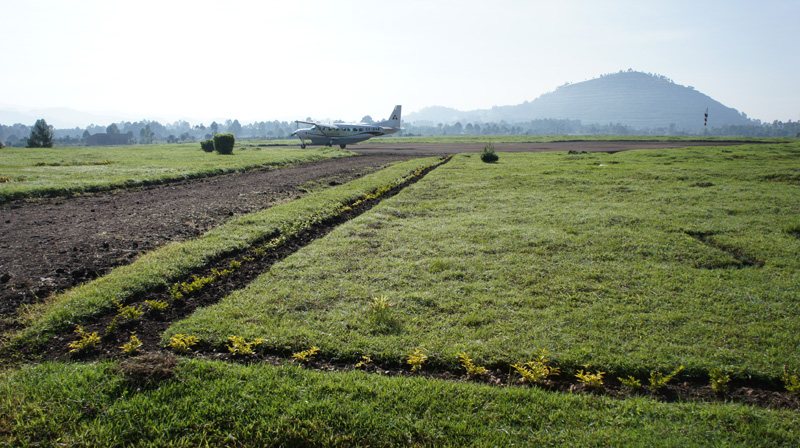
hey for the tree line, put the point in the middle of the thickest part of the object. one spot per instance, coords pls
(147, 132)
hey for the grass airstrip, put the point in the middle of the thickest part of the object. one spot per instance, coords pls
(627, 263)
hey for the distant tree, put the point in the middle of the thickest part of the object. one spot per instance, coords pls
(235, 128)
(85, 135)
(146, 135)
(367, 119)
(112, 129)
(214, 128)
(41, 135)
(130, 137)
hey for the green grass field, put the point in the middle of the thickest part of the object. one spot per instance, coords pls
(32, 172)
(626, 263)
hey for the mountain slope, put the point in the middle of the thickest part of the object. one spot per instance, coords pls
(634, 99)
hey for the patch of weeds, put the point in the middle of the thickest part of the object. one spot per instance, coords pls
(416, 359)
(182, 343)
(470, 366)
(537, 370)
(791, 382)
(382, 316)
(126, 314)
(4, 179)
(240, 347)
(630, 382)
(590, 380)
(365, 360)
(658, 380)
(306, 355)
(702, 184)
(719, 380)
(156, 306)
(132, 346)
(85, 342)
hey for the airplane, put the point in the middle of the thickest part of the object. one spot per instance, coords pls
(343, 134)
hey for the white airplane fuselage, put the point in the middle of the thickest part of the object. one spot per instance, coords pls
(343, 134)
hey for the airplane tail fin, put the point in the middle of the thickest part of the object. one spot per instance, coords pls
(394, 119)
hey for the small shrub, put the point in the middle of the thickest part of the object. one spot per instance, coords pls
(241, 347)
(537, 370)
(488, 155)
(416, 359)
(207, 145)
(223, 143)
(591, 380)
(182, 343)
(85, 342)
(719, 380)
(306, 355)
(4, 179)
(658, 380)
(630, 382)
(132, 346)
(471, 368)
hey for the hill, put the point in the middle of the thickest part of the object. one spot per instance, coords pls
(635, 99)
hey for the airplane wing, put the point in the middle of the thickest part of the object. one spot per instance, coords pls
(305, 122)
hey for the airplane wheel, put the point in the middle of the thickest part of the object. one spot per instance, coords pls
(302, 146)
(342, 146)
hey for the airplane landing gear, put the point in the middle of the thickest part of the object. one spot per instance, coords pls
(302, 146)
(342, 146)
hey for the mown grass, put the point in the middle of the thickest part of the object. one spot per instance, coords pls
(161, 267)
(33, 172)
(627, 262)
(210, 403)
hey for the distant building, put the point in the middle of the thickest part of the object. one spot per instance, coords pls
(103, 139)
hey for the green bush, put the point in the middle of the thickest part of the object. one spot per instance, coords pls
(223, 143)
(488, 155)
(207, 145)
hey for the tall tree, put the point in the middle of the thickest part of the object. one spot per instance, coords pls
(41, 135)
(112, 129)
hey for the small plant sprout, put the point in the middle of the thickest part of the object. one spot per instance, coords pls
(365, 360)
(156, 305)
(306, 355)
(630, 382)
(471, 368)
(658, 380)
(537, 370)
(132, 346)
(182, 343)
(416, 359)
(719, 380)
(791, 382)
(590, 380)
(85, 342)
(241, 347)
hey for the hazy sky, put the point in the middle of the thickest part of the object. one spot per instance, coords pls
(339, 59)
